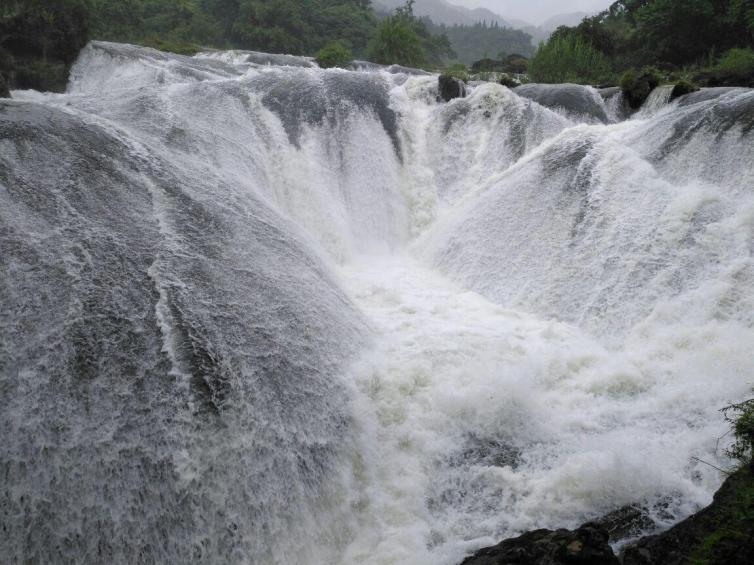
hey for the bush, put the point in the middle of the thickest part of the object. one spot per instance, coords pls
(458, 72)
(569, 59)
(741, 417)
(637, 86)
(737, 61)
(334, 54)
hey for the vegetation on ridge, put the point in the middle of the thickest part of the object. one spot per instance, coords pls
(709, 40)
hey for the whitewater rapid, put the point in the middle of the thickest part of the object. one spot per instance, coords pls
(259, 312)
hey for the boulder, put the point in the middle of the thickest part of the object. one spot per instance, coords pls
(451, 88)
(637, 87)
(588, 545)
(682, 88)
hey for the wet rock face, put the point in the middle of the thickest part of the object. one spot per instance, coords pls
(587, 545)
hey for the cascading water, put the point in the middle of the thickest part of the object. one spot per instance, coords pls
(259, 312)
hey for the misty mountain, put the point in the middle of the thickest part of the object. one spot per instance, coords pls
(443, 12)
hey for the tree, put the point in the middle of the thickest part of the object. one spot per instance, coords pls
(679, 31)
(406, 40)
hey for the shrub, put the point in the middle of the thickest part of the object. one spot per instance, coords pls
(334, 54)
(458, 72)
(683, 87)
(741, 417)
(569, 59)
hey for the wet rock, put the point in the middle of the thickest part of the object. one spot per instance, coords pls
(451, 88)
(637, 87)
(581, 102)
(627, 522)
(721, 534)
(588, 545)
(682, 88)
(4, 92)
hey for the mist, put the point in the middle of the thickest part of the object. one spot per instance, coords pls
(535, 11)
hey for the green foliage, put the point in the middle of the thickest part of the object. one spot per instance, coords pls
(741, 417)
(396, 42)
(39, 39)
(334, 54)
(403, 39)
(458, 72)
(670, 34)
(569, 59)
(737, 61)
(637, 86)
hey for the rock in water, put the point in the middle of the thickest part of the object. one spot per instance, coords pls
(588, 545)
(4, 92)
(451, 88)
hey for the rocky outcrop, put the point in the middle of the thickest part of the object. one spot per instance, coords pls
(721, 534)
(451, 88)
(587, 545)
(637, 87)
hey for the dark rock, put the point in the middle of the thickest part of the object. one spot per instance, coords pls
(681, 88)
(507, 81)
(721, 534)
(588, 545)
(719, 77)
(637, 87)
(451, 88)
(4, 92)
(627, 522)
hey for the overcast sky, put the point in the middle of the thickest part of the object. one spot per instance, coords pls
(535, 11)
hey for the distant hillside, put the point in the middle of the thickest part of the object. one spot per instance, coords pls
(443, 12)
(543, 31)
(484, 41)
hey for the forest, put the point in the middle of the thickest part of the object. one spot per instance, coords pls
(39, 39)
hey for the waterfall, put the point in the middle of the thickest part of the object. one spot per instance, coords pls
(254, 311)
(656, 101)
